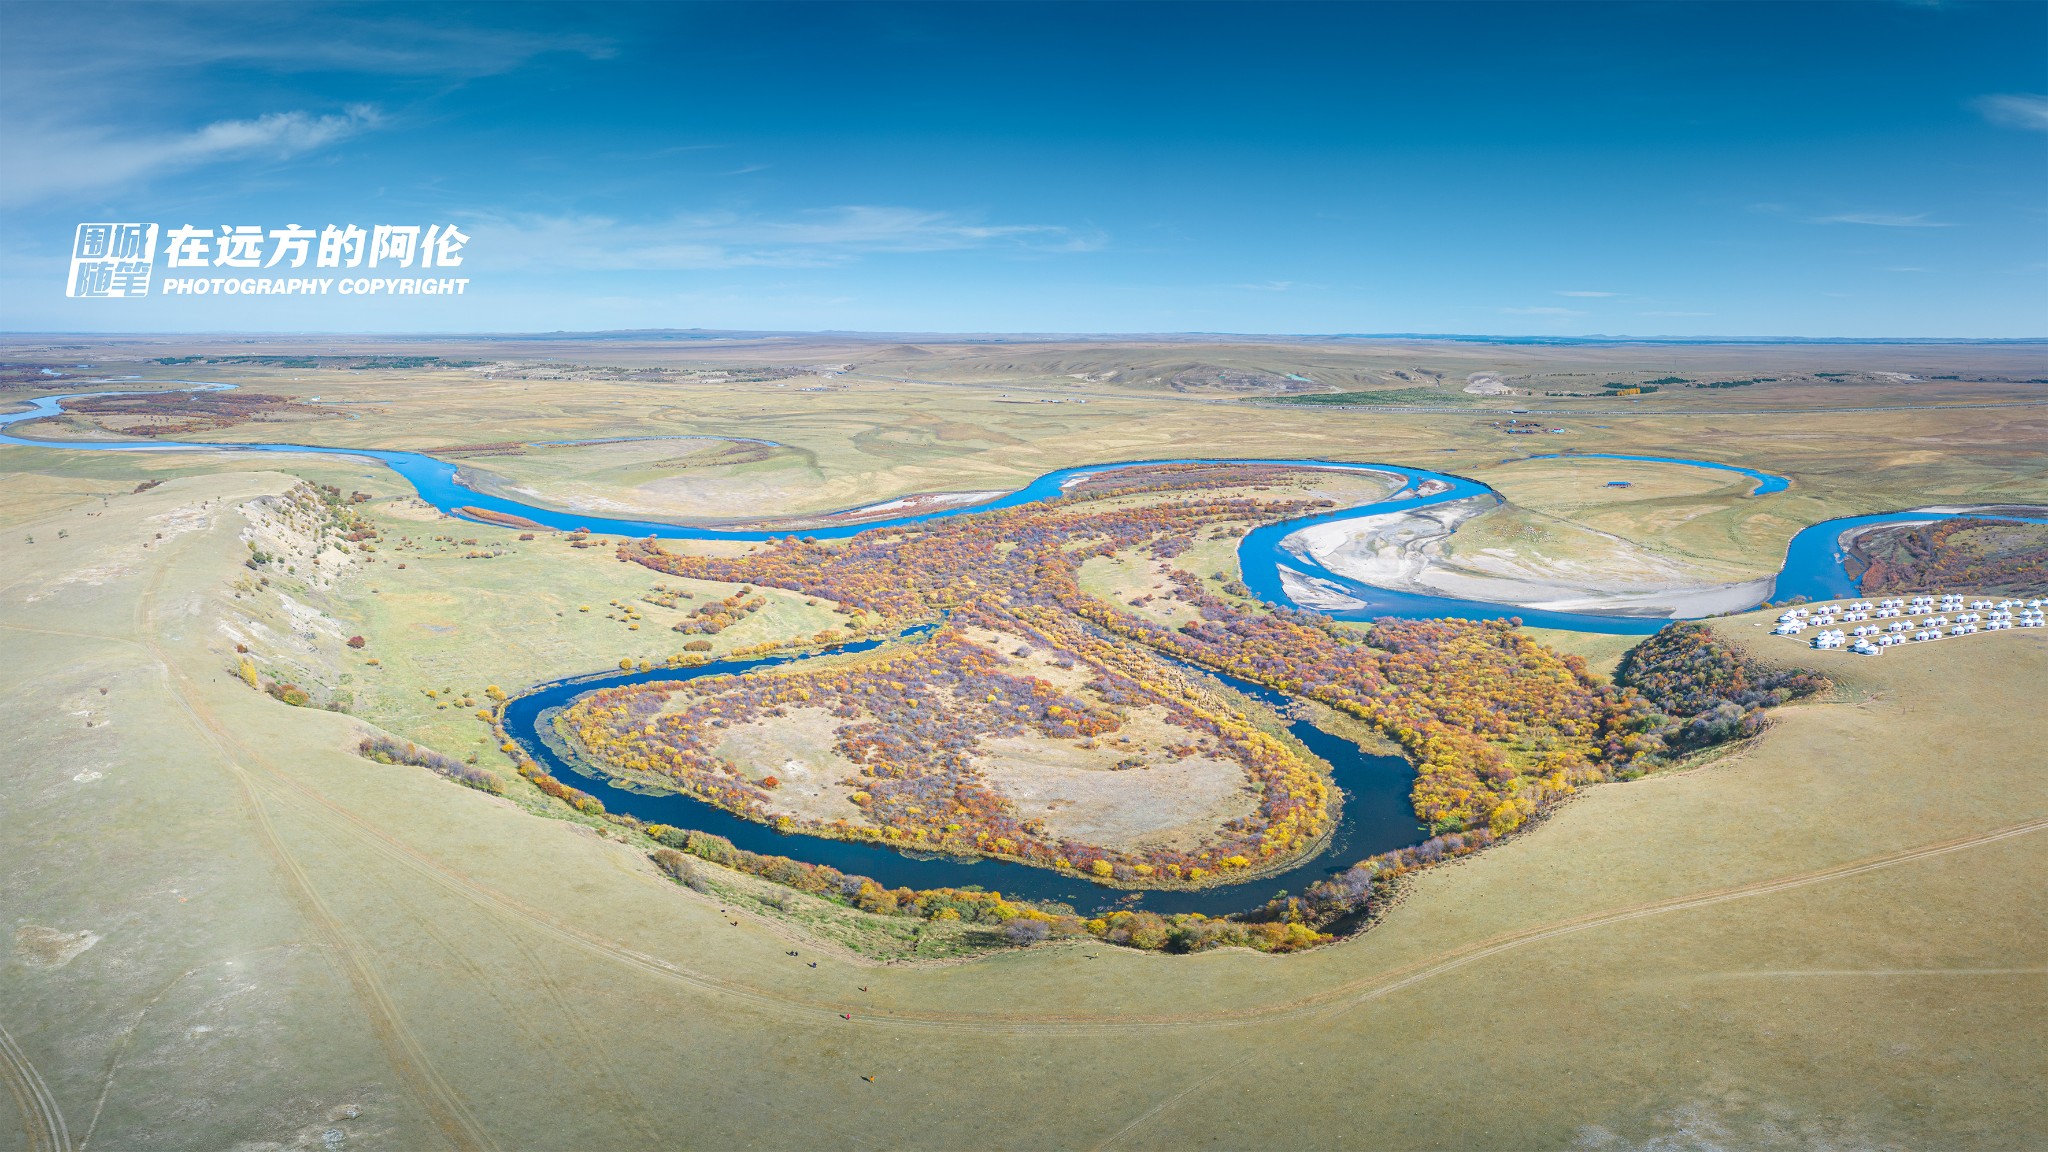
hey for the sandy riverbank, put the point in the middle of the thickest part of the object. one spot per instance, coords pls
(1409, 552)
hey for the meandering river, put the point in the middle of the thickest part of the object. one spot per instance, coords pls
(1376, 815)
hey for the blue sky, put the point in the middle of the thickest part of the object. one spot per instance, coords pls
(1720, 169)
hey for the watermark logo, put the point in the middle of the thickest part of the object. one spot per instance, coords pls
(112, 261)
(115, 261)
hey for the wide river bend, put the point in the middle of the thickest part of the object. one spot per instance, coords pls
(1376, 814)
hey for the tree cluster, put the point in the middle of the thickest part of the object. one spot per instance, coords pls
(391, 750)
(1700, 692)
(2008, 557)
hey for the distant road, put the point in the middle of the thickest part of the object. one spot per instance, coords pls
(1463, 410)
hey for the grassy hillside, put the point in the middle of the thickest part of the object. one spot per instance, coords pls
(1828, 932)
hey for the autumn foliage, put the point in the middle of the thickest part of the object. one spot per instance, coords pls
(391, 750)
(1497, 725)
(1700, 691)
(1999, 556)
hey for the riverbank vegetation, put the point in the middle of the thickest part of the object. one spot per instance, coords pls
(914, 730)
(1278, 928)
(387, 749)
(470, 940)
(1703, 691)
(2008, 557)
(1498, 726)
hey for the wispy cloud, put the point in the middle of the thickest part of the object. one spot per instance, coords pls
(146, 38)
(1674, 313)
(819, 238)
(1589, 295)
(1884, 220)
(1542, 310)
(2015, 110)
(1269, 286)
(49, 162)
(99, 97)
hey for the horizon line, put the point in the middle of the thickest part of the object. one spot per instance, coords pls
(1047, 336)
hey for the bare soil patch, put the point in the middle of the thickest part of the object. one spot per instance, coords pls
(1117, 793)
(41, 947)
(801, 751)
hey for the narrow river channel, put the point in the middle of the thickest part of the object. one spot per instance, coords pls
(1376, 814)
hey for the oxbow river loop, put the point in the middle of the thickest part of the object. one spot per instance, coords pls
(1376, 816)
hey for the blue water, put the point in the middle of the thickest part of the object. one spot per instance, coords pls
(1766, 483)
(1813, 564)
(1376, 816)
(1376, 813)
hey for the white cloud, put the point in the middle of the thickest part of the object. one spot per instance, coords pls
(1883, 220)
(149, 38)
(1269, 286)
(49, 162)
(1589, 295)
(1542, 311)
(2016, 110)
(818, 238)
(1674, 313)
(97, 98)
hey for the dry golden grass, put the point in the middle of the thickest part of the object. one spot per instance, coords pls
(1827, 937)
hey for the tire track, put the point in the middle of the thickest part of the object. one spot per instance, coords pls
(1339, 996)
(1343, 995)
(42, 1121)
(439, 1097)
(1485, 949)
(622, 1105)
(408, 1058)
(135, 1025)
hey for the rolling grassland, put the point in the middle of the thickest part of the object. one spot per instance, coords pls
(225, 928)
(1830, 932)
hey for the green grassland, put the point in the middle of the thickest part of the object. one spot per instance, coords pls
(972, 420)
(1706, 521)
(1601, 651)
(1816, 934)
(676, 478)
(1827, 936)
(445, 622)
